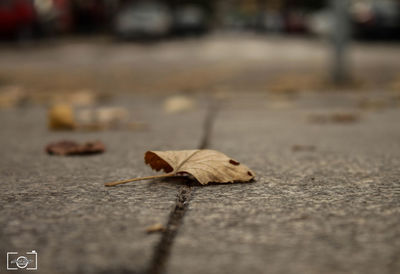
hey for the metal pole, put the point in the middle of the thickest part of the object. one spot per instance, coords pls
(341, 41)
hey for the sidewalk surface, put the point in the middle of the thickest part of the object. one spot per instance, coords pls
(326, 198)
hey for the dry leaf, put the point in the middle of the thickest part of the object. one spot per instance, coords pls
(372, 104)
(290, 84)
(158, 227)
(73, 148)
(61, 117)
(12, 96)
(339, 118)
(178, 103)
(64, 117)
(303, 148)
(204, 165)
(107, 117)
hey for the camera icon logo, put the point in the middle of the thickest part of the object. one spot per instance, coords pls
(27, 261)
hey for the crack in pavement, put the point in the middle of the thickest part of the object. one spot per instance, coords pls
(163, 249)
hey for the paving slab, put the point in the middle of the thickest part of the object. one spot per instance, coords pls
(331, 208)
(59, 206)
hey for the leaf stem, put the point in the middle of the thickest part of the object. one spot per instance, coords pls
(140, 178)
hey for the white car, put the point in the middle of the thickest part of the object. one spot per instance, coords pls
(143, 19)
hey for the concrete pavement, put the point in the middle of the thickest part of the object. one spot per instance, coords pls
(332, 209)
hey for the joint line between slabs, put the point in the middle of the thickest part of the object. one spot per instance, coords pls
(163, 249)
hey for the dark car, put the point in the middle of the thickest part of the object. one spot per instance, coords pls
(190, 19)
(376, 18)
(17, 18)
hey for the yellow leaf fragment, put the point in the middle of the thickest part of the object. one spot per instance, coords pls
(178, 103)
(61, 117)
(158, 227)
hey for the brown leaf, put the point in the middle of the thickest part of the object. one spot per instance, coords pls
(73, 148)
(303, 148)
(204, 165)
(158, 227)
(339, 118)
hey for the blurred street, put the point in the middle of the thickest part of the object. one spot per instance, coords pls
(235, 62)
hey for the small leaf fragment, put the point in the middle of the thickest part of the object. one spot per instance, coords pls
(178, 103)
(338, 118)
(158, 227)
(61, 117)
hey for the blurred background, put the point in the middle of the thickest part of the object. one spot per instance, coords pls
(110, 46)
(283, 76)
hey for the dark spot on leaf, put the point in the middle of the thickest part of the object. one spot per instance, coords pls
(249, 173)
(233, 162)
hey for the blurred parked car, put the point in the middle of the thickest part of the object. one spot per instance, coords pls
(17, 18)
(369, 19)
(321, 23)
(190, 19)
(271, 21)
(90, 16)
(376, 18)
(143, 19)
(295, 21)
(54, 16)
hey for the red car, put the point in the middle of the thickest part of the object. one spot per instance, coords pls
(17, 18)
